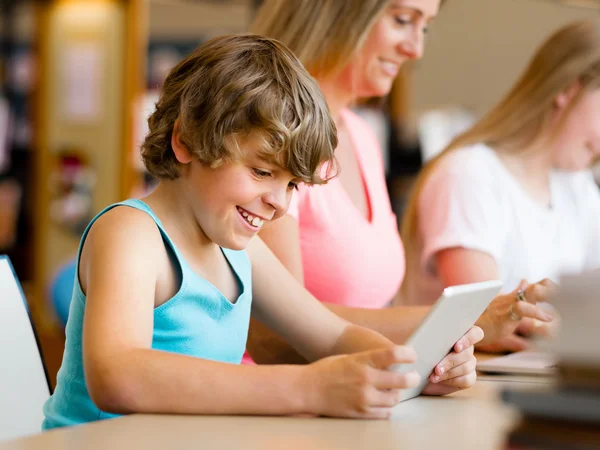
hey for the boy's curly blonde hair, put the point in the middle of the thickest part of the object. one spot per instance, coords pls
(236, 87)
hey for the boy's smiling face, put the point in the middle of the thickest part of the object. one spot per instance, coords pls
(232, 202)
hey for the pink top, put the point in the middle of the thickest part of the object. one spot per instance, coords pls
(347, 259)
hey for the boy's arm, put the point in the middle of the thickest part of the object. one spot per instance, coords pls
(266, 347)
(123, 374)
(283, 305)
(395, 323)
(316, 332)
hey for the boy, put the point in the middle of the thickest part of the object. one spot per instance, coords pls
(159, 317)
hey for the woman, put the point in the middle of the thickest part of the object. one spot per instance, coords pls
(517, 200)
(341, 239)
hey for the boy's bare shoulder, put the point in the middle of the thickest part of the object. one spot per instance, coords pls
(125, 226)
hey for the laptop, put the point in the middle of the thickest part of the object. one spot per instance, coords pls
(24, 384)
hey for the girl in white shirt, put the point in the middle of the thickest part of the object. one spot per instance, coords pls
(512, 198)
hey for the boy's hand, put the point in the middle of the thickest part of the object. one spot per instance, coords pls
(457, 370)
(358, 385)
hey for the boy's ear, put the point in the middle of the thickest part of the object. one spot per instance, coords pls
(182, 154)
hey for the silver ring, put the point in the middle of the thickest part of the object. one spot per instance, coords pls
(512, 314)
(521, 296)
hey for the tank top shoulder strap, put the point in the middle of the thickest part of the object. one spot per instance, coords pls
(140, 205)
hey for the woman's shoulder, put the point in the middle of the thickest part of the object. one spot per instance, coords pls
(353, 118)
(360, 129)
(468, 176)
(477, 162)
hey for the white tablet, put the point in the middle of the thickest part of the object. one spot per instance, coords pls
(455, 312)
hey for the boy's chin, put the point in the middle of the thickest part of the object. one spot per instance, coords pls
(237, 243)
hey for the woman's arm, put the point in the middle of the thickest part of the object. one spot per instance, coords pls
(458, 266)
(463, 231)
(396, 324)
(461, 266)
(266, 347)
(283, 305)
(315, 331)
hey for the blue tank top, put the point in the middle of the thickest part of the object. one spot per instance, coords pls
(197, 321)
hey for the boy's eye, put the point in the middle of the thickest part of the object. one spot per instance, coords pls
(261, 173)
(293, 185)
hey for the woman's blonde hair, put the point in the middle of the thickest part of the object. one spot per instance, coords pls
(571, 55)
(323, 34)
(242, 87)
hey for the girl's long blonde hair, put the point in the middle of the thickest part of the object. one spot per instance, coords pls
(323, 34)
(571, 55)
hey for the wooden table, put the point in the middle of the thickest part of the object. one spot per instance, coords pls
(470, 420)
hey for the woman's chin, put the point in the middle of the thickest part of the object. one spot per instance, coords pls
(379, 88)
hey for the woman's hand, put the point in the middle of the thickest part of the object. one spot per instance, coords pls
(506, 316)
(532, 328)
(358, 385)
(457, 370)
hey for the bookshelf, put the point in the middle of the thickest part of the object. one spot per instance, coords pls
(91, 59)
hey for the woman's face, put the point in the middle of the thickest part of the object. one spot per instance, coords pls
(578, 140)
(397, 36)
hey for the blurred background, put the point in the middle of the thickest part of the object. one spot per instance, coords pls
(78, 79)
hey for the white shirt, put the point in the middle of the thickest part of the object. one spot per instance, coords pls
(472, 201)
